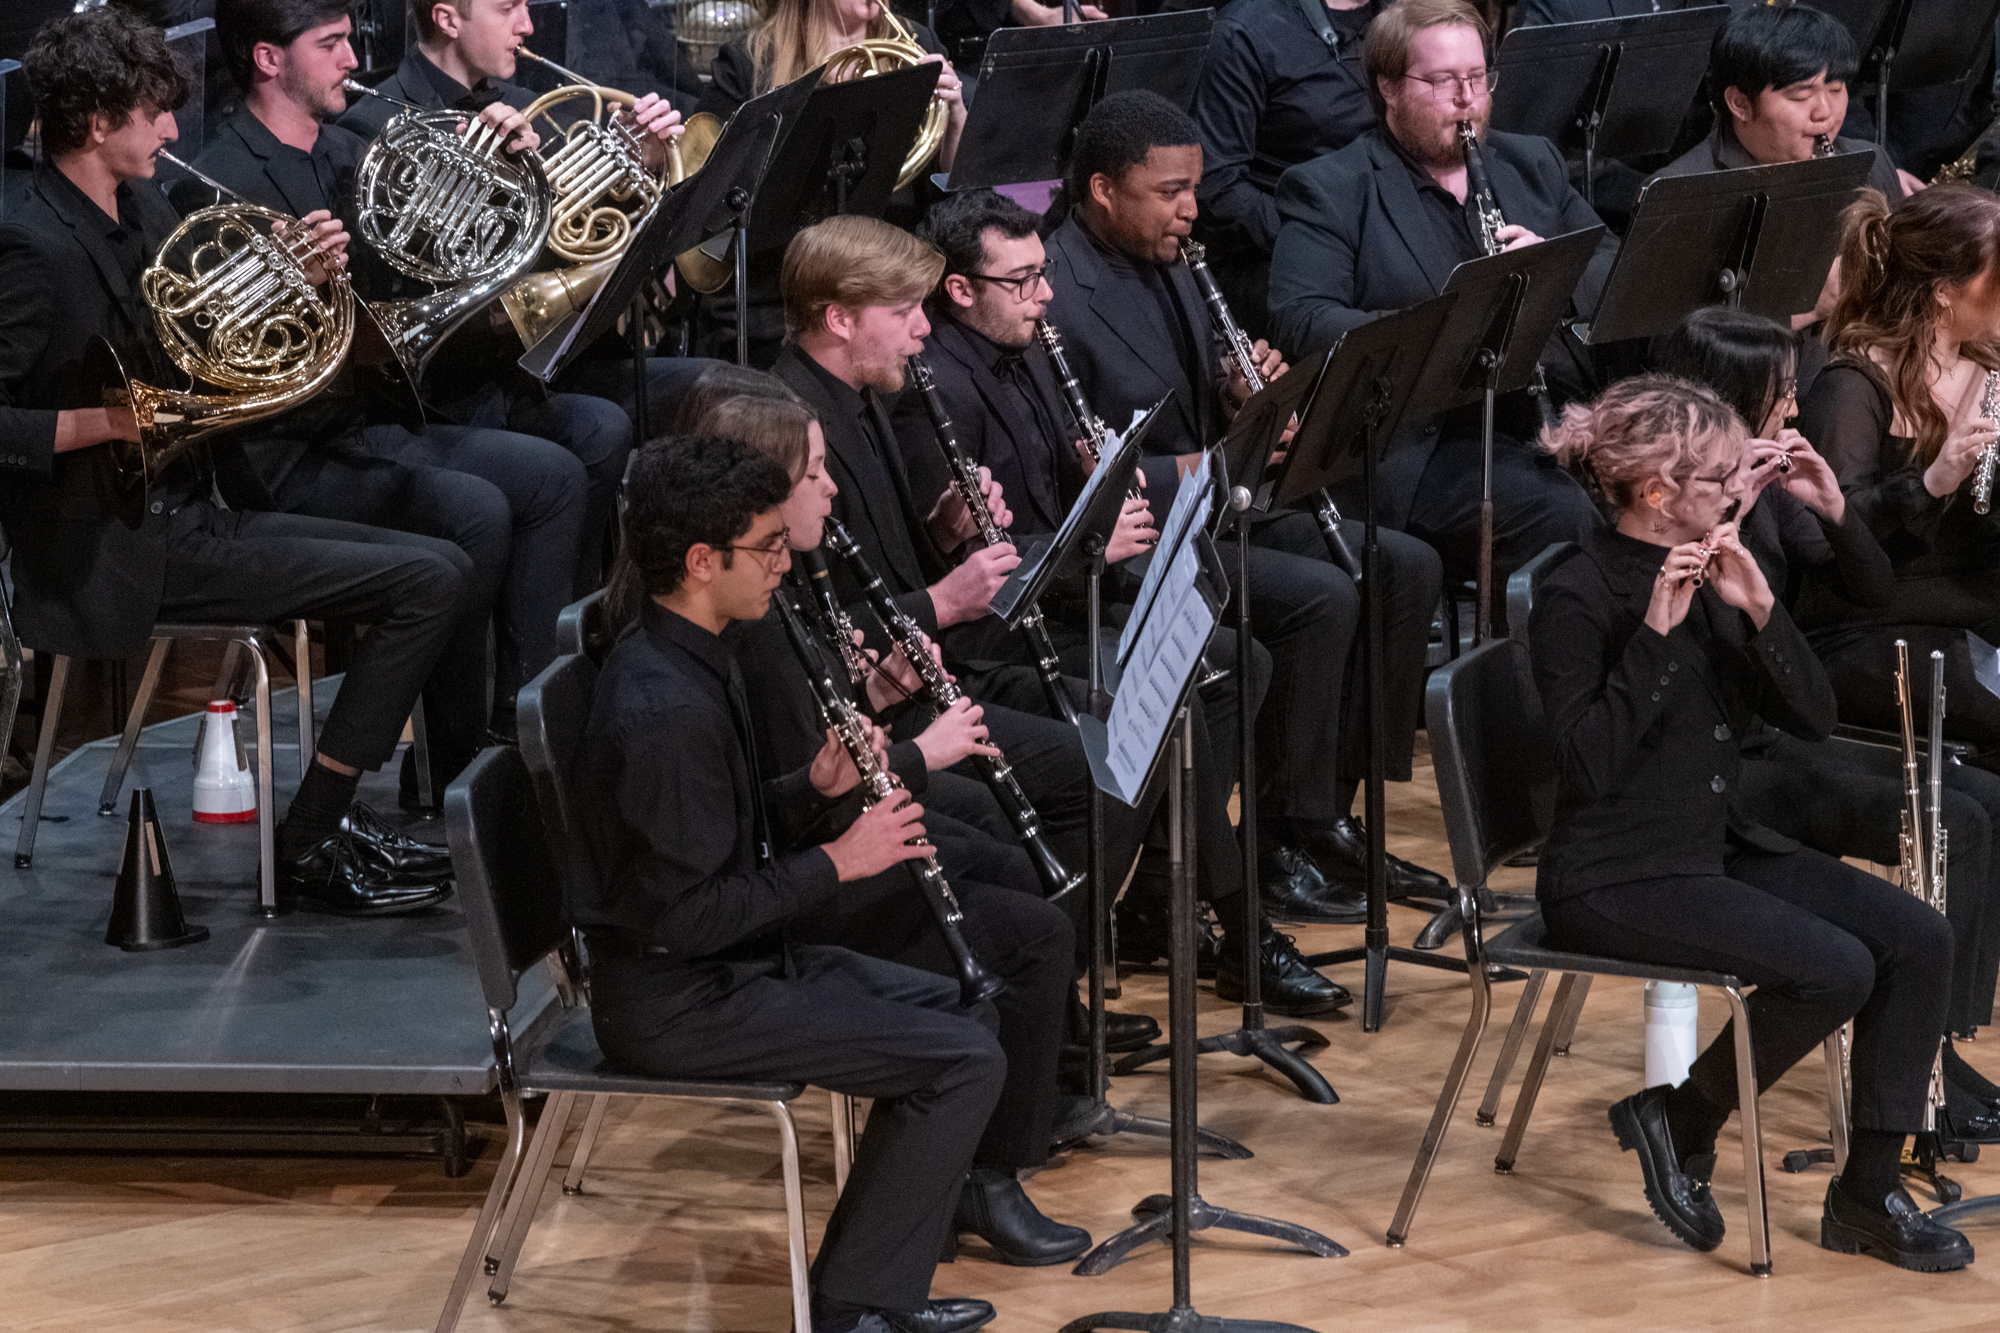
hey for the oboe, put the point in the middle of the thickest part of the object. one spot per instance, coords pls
(944, 692)
(1989, 457)
(965, 480)
(1922, 873)
(1243, 353)
(975, 983)
(1095, 436)
(1481, 189)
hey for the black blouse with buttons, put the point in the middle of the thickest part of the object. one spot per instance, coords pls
(1647, 727)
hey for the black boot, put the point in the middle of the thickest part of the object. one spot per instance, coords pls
(1288, 986)
(1677, 1188)
(995, 1208)
(1340, 849)
(1896, 1231)
(1142, 933)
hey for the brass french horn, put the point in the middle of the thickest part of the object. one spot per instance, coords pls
(885, 55)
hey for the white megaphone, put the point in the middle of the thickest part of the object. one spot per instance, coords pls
(225, 792)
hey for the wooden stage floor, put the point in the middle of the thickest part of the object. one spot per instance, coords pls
(681, 1224)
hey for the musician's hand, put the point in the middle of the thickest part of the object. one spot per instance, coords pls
(1270, 365)
(1736, 576)
(963, 594)
(1135, 533)
(513, 128)
(1809, 480)
(1910, 183)
(659, 123)
(82, 427)
(1829, 297)
(1084, 456)
(1958, 457)
(327, 237)
(833, 773)
(1513, 236)
(1673, 590)
(950, 89)
(958, 732)
(1033, 14)
(879, 840)
(951, 522)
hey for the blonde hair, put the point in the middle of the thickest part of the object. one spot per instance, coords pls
(775, 427)
(1647, 428)
(853, 262)
(1385, 46)
(792, 39)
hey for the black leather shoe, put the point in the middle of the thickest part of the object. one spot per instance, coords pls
(1129, 1032)
(1898, 1232)
(1678, 1191)
(1967, 1119)
(1341, 851)
(995, 1208)
(1142, 938)
(389, 855)
(331, 875)
(1075, 1120)
(1292, 888)
(1288, 985)
(954, 1314)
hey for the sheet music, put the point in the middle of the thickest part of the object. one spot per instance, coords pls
(1168, 650)
(1192, 504)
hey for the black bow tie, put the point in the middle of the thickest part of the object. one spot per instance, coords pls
(478, 99)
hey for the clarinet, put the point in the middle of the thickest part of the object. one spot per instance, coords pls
(878, 784)
(1989, 457)
(1243, 354)
(1923, 874)
(1095, 437)
(839, 628)
(944, 692)
(1822, 145)
(965, 480)
(1481, 188)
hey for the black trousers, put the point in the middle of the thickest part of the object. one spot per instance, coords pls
(544, 489)
(667, 378)
(1821, 941)
(1014, 934)
(227, 566)
(1847, 800)
(853, 1025)
(427, 501)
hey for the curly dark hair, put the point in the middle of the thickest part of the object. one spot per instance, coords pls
(1117, 135)
(241, 24)
(693, 489)
(958, 227)
(100, 62)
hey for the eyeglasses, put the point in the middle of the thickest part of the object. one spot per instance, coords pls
(1442, 85)
(773, 554)
(1024, 286)
(1725, 478)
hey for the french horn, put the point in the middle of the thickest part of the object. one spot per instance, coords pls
(886, 55)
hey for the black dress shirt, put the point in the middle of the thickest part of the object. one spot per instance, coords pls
(1272, 94)
(671, 801)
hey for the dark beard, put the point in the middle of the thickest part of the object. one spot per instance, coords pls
(1439, 156)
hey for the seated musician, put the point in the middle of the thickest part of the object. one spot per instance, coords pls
(1281, 84)
(699, 872)
(1650, 684)
(206, 547)
(854, 290)
(1844, 800)
(1380, 225)
(964, 25)
(1136, 328)
(1017, 936)
(514, 503)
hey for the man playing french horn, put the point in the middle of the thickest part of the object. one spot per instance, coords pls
(203, 544)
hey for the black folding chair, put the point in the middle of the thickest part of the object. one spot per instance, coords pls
(1491, 749)
(508, 885)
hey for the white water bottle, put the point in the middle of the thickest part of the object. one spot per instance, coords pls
(1671, 1010)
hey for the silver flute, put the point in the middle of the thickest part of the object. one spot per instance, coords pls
(1989, 457)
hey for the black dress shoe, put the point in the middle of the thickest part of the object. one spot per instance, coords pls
(1075, 1120)
(1898, 1232)
(995, 1208)
(1142, 938)
(953, 1314)
(1341, 851)
(1967, 1119)
(1292, 888)
(1677, 1190)
(389, 855)
(332, 876)
(1288, 985)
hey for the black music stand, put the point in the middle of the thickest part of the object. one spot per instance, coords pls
(1906, 45)
(1244, 453)
(717, 200)
(843, 155)
(1367, 388)
(1620, 87)
(1037, 84)
(1761, 238)
(1148, 723)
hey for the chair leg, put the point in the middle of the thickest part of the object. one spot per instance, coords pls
(267, 813)
(1838, 1094)
(302, 674)
(1568, 1028)
(45, 749)
(1447, 1103)
(1753, 1137)
(1524, 1013)
(121, 761)
(843, 1140)
(795, 1216)
(1538, 1068)
(505, 1172)
(580, 1159)
(528, 1195)
(13, 664)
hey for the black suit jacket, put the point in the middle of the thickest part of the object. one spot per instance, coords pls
(85, 585)
(415, 80)
(1649, 728)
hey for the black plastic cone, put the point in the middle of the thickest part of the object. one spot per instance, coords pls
(145, 908)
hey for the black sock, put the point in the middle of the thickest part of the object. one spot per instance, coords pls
(1693, 1120)
(835, 1316)
(1964, 1077)
(1874, 1165)
(316, 811)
